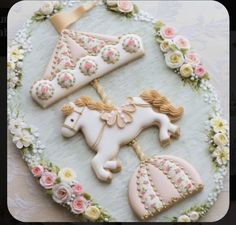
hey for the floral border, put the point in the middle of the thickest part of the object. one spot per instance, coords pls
(61, 184)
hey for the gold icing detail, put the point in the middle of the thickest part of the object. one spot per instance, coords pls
(67, 109)
(162, 104)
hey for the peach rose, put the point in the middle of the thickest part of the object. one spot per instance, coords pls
(167, 32)
(37, 171)
(192, 58)
(181, 42)
(47, 180)
(125, 6)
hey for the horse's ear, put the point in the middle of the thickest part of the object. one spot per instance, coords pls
(67, 109)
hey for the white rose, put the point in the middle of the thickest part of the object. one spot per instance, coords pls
(186, 70)
(67, 175)
(221, 155)
(183, 218)
(111, 2)
(165, 45)
(47, 8)
(174, 59)
(194, 216)
(219, 125)
(220, 139)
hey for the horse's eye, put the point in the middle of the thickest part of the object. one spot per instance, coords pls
(72, 120)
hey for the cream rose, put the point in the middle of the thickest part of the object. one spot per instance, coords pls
(47, 8)
(67, 175)
(125, 6)
(221, 154)
(181, 42)
(165, 45)
(186, 70)
(183, 218)
(174, 59)
(61, 193)
(220, 139)
(92, 213)
(194, 216)
(219, 125)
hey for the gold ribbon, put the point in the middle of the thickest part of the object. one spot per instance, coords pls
(62, 20)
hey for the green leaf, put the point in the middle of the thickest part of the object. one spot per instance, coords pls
(173, 47)
(159, 39)
(158, 25)
(49, 192)
(136, 9)
(86, 196)
(58, 180)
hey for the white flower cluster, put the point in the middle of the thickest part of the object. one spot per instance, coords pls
(144, 17)
(192, 216)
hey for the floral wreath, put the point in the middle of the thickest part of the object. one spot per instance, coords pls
(61, 183)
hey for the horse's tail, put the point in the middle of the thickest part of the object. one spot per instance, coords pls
(162, 104)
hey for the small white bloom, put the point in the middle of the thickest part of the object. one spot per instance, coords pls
(22, 138)
(10, 66)
(15, 53)
(12, 79)
(194, 216)
(221, 154)
(165, 45)
(47, 8)
(183, 218)
(220, 139)
(111, 2)
(67, 174)
(16, 124)
(219, 125)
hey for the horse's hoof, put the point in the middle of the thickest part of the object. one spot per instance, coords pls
(165, 142)
(109, 179)
(118, 168)
(176, 134)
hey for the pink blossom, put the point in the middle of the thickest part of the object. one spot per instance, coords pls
(79, 205)
(125, 6)
(181, 42)
(200, 71)
(66, 77)
(88, 66)
(44, 89)
(167, 32)
(110, 53)
(37, 171)
(131, 42)
(47, 180)
(77, 189)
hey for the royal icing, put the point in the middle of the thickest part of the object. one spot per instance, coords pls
(108, 134)
(86, 57)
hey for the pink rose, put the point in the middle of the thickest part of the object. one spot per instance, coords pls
(181, 42)
(125, 6)
(88, 66)
(37, 171)
(200, 71)
(61, 193)
(47, 180)
(79, 205)
(131, 42)
(192, 58)
(167, 32)
(77, 189)
(110, 53)
(44, 89)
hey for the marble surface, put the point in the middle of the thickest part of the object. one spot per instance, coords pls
(209, 35)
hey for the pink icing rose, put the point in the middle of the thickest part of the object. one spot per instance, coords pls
(110, 53)
(192, 58)
(181, 42)
(200, 71)
(167, 32)
(125, 6)
(88, 66)
(79, 205)
(61, 193)
(77, 189)
(47, 180)
(44, 89)
(131, 42)
(37, 171)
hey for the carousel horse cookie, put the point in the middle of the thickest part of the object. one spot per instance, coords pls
(106, 128)
(79, 58)
(160, 182)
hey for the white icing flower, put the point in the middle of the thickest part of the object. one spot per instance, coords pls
(67, 175)
(165, 45)
(186, 70)
(10, 65)
(181, 42)
(111, 2)
(47, 8)
(16, 124)
(194, 216)
(174, 59)
(221, 154)
(92, 213)
(183, 218)
(220, 139)
(15, 53)
(22, 138)
(12, 79)
(219, 125)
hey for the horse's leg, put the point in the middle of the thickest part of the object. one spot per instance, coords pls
(113, 165)
(174, 130)
(102, 157)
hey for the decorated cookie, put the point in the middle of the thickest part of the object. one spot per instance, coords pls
(160, 182)
(44, 90)
(113, 127)
(87, 56)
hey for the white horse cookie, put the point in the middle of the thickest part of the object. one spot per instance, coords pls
(107, 128)
(81, 57)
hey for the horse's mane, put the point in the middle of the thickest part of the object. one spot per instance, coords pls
(162, 104)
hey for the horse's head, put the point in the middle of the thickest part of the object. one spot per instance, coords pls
(71, 124)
